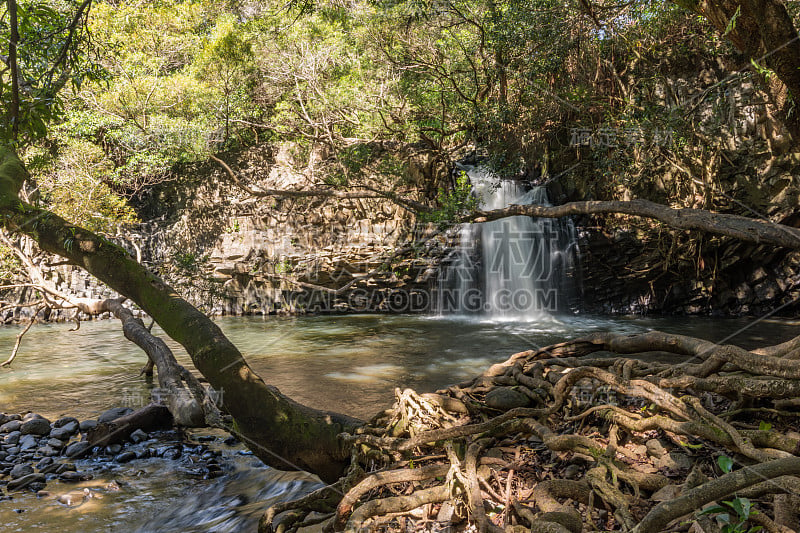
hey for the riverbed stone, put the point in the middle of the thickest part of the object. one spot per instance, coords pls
(25, 481)
(8, 427)
(113, 449)
(43, 463)
(65, 420)
(506, 398)
(55, 443)
(12, 438)
(62, 433)
(113, 414)
(48, 451)
(125, 457)
(31, 416)
(77, 449)
(21, 471)
(75, 476)
(27, 442)
(35, 426)
(138, 436)
(87, 425)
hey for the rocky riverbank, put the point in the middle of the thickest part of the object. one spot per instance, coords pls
(46, 466)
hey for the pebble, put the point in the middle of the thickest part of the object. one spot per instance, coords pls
(138, 436)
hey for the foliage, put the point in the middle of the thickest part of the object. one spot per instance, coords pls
(454, 204)
(732, 515)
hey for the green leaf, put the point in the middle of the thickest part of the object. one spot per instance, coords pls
(732, 22)
(725, 463)
(712, 510)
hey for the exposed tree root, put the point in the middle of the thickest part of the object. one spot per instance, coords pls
(607, 441)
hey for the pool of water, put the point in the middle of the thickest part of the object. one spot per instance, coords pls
(347, 363)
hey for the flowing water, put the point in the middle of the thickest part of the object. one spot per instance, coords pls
(516, 268)
(345, 363)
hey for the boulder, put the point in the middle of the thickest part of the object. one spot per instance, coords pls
(35, 426)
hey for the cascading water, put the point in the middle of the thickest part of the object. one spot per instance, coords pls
(517, 268)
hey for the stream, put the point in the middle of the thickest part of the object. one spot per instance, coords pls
(348, 363)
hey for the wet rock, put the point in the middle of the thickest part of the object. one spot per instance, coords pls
(14, 450)
(506, 398)
(65, 421)
(31, 416)
(125, 457)
(47, 461)
(8, 427)
(27, 442)
(138, 436)
(21, 483)
(113, 414)
(74, 477)
(172, 453)
(36, 486)
(231, 441)
(43, 494)
(4, 418)
(12, 438)
(35, 426)
(75, 497)
(86, 425)
(55, 443)
(77, 449)
(21, 471)
(113, 449)
(47, 451)
(63, 433)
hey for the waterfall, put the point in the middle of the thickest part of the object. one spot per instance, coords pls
(517, 268)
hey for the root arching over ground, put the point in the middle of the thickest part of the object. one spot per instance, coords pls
(605, 433)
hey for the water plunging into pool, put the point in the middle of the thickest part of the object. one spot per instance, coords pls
(517, 268)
